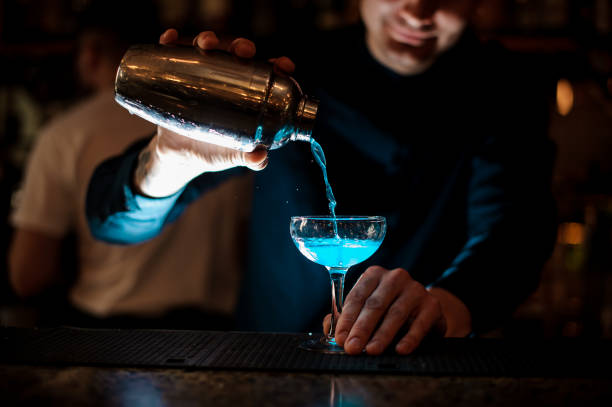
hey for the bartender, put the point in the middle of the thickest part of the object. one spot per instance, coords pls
(420, 123)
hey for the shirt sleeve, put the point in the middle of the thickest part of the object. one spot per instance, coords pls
(117, 214)
(45, 201)
(511, 220)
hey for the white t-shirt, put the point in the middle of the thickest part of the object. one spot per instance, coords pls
(194, 262)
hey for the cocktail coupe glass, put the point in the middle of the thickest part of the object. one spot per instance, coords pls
(336, 244)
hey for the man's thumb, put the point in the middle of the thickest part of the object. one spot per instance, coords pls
(257, 159)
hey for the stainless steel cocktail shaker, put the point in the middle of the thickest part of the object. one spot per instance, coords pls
(214, 96)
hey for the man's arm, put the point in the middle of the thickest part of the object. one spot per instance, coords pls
(43, 215)
(511, 225)
(131, 197)
(510, 220)
(34, 262)
(511, 231)
(115, 212)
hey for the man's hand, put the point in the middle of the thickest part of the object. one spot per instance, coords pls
(170, 161)
(383, 301)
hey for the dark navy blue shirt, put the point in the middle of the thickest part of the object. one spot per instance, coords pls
(455, 158)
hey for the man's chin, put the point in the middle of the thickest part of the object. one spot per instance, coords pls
(409, 59)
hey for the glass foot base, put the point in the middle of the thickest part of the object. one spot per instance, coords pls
(322, 345)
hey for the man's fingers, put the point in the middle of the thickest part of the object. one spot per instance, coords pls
(243, 48)
(397, 315)
(355, 300)
(168, 37)
(256, 159)
(206, 40)
(429, 315)
(374, 310)
(283, 64)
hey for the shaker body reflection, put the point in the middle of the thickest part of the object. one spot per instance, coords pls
(214, 96)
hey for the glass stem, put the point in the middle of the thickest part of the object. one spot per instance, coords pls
(337, 287)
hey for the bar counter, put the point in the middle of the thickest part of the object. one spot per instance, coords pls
(97, 386)
(73, 366)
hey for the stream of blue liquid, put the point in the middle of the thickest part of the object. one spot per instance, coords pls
(317, 152)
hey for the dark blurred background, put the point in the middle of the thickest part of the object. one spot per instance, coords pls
(570, 40)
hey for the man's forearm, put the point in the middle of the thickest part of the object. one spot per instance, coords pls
(30, 274)
(115, 210)
(120, 208)
(158, 177)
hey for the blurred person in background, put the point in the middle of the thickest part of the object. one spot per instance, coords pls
(420, 123)
(170, 281)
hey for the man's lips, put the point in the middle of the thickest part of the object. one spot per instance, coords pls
(409, 36)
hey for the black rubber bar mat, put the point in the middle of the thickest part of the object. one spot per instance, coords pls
(270, 351)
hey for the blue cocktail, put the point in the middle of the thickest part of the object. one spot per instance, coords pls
(336, 243)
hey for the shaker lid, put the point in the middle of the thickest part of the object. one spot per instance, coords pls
(306, 115)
